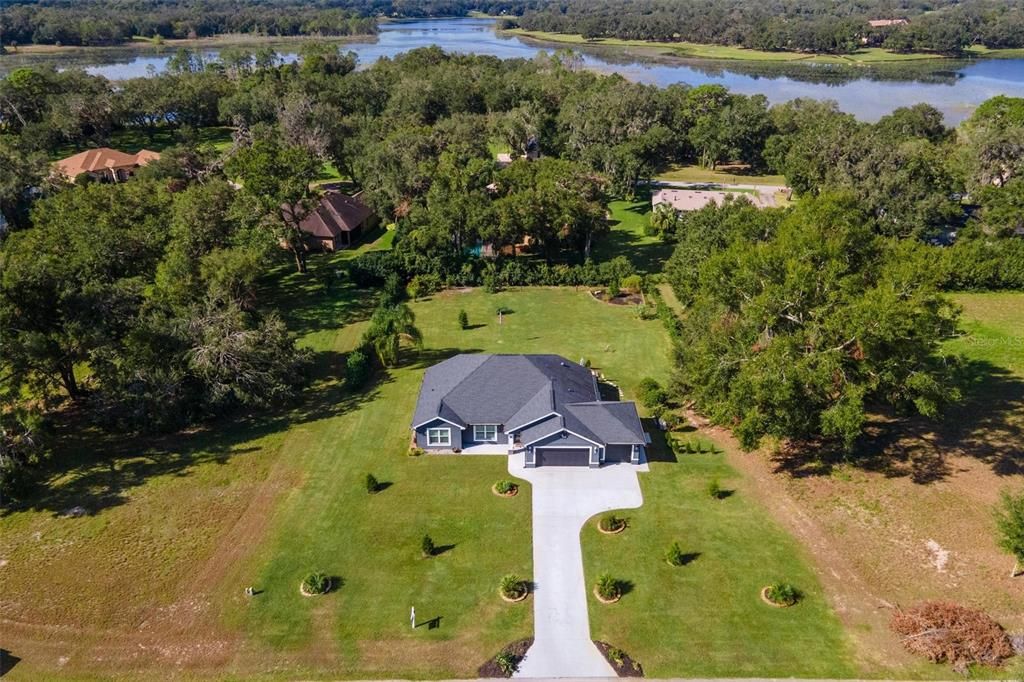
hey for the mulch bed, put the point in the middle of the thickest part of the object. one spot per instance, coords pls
(628, 667)
(510, 493)
(518, 649)
(621, 299)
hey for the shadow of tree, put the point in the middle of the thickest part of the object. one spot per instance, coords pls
(608, 391)
(659, 449)
(988, 426)
(7, 661)
(646, 256)
(95, 469)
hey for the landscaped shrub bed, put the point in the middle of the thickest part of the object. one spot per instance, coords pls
(513, 588)
(505, 488)
(620, 661)
(610, 523)
(781, 594)
(314, 584)
(506, 661)
(607, 589)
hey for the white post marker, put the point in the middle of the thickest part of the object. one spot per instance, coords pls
(412, 617)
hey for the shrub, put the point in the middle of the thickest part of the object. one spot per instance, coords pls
(650, 393)
(372, 485)
(427, 546)
(506, 660)
(783, 593)
(415, 452)
(646, 312)
(632, 284)
(505, 486)
(675, 555)
(608, 587)
(357, 369)
(611, 522)
(617, 655)
(714, 489)
(512, 586)
(944, 631)
(463, 320)
(316, 583)
(613, 288)
(671, 419)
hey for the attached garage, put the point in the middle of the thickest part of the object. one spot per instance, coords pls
(617, 453)
(562, 457)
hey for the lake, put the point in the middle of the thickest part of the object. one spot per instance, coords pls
(954, 87)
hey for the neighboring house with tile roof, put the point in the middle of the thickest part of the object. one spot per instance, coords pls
(337, 221)
(544, 406)
(104, 164)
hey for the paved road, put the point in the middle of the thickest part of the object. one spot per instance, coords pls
(563, 499)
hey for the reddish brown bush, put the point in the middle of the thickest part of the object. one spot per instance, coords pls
(943, 631)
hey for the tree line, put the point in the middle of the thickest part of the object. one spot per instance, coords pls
(108, 22)
(945, 26)
(143, 301)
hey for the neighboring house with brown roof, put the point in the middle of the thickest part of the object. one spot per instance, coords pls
(337, 221)
(104, 164)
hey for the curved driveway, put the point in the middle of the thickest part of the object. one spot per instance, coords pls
(563, 499)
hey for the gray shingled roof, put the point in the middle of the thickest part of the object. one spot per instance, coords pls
(516, 390)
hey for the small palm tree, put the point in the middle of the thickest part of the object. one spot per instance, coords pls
(390, 325)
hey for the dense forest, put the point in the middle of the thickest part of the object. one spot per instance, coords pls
(944, 26)
(148, 304)
(824, 26)
(106, 22)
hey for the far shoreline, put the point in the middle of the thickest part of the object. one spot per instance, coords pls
(686, 50)
(220, 40)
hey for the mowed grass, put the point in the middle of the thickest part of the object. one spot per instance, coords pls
(133, 140)
(706, 619)
(626, 238)
(723, 174)
(372, 543)
(994, 329)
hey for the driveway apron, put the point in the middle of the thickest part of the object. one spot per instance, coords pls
(563, 499)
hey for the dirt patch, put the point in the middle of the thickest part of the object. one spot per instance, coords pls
(623, 665)
(517, 649)
(878, 540)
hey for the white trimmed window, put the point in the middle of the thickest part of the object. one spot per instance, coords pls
(485, 433)
(439, 436)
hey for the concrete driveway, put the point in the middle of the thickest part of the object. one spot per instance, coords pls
(563, 499)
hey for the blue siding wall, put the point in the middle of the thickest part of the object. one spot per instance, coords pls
(467, 438)
(556, 440)
(421, 436)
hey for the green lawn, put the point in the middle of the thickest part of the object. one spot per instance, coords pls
(266, 499)
(626, 238)
(723, 174)
(132, 140)
(994, 329)
(372, 543)
(706, 619)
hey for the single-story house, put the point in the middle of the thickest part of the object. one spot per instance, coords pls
(337, 221)
(104, 164)
(696, 199)
(882, 23)
(543, 406)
